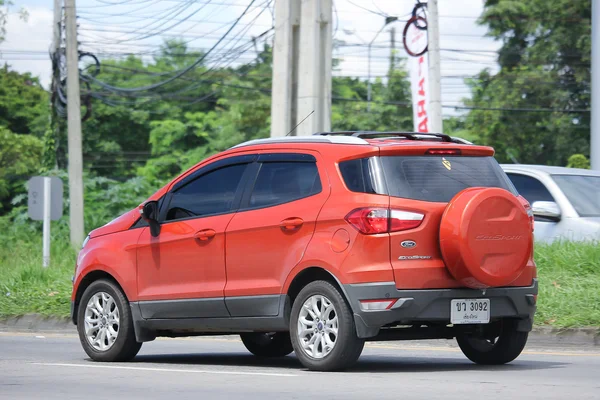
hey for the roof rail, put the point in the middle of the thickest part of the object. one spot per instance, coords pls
(406, 135)
(340, 139)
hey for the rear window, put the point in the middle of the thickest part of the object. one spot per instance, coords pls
(439, 179)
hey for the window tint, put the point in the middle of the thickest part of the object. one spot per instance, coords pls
(530, 188)
(282, 182)
(210, 194)
(432, 178)
(356, 175)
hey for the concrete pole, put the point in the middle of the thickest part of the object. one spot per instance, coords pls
(388, 20)
(56, 26)
(314, 80)
(595, 75)
(392, 51)
(75, 169)
(285, 67)
(433, 49)
(369, 77)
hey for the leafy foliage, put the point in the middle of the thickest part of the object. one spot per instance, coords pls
(19, 158)
(578, 161)
(23, 103)
(545, 69)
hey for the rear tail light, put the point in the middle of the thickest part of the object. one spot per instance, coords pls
(403, 220)
(377, 305)
(530, 215)
(443, 152)
(380, 220)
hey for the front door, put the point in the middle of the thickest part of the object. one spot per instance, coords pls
(181, 272)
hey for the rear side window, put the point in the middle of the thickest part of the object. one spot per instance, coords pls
(439, 179)
(282, 182)
(356, 175)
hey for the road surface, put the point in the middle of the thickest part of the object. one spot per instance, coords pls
(53, 366)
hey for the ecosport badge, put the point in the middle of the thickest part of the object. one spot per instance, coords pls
(446, 164)
(414, 257)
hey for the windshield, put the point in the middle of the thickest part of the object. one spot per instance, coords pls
(582, 191)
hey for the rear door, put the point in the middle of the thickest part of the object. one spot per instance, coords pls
(420, 188)
(270, 232)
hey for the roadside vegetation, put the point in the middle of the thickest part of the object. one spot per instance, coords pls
(569, 276)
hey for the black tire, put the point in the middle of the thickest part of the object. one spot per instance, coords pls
(348, 346)
(268, 345)
(125, 346)
(508, 345)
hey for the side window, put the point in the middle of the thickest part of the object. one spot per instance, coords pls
(282, 182)
(210, 194)
(356, 175)
(530, 188)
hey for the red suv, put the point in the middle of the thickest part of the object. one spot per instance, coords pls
(315, 245)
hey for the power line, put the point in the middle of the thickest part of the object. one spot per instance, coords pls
(179, 73)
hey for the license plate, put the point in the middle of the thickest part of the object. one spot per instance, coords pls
(470, 311)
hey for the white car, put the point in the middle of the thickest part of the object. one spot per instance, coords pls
(565, 201)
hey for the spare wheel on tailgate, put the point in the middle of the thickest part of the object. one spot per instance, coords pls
(485, 237)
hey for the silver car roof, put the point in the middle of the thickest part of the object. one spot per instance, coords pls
(549, 169)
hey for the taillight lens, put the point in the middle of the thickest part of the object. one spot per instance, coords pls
(403, 220)
(369, 220)
(380, 220)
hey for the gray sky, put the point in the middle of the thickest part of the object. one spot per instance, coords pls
(106, 28)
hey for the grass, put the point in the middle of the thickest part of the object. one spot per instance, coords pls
(26, 287)
(569, 275)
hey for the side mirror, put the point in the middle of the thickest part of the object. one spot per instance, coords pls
(149, 213)
(546, 209)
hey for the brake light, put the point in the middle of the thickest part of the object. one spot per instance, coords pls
(443, 152)
(372, 220)
(403, 220)
(369, 220)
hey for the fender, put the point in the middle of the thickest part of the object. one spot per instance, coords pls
(115, 256)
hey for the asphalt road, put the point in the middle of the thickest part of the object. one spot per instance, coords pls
(53, 366)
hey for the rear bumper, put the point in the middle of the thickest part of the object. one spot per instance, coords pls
(433, 305)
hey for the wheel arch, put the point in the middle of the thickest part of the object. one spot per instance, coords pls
(311, 274)
(89, 278)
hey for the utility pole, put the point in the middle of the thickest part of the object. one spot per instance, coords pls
(314, 72)
(388, 20)
(286, 55)
(392, 51)
(56, 28)
(435, 91)
(595, 75)
(74, 128)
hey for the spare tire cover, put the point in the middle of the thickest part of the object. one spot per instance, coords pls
(485, 237)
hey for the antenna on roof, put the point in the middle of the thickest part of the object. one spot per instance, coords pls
(293, 129)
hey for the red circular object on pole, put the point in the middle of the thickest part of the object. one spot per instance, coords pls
(415, 20)
(485, 237)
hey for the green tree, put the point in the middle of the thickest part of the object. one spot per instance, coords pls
(578, 161)
(20, 157)
(23, 103)
(544, 65)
